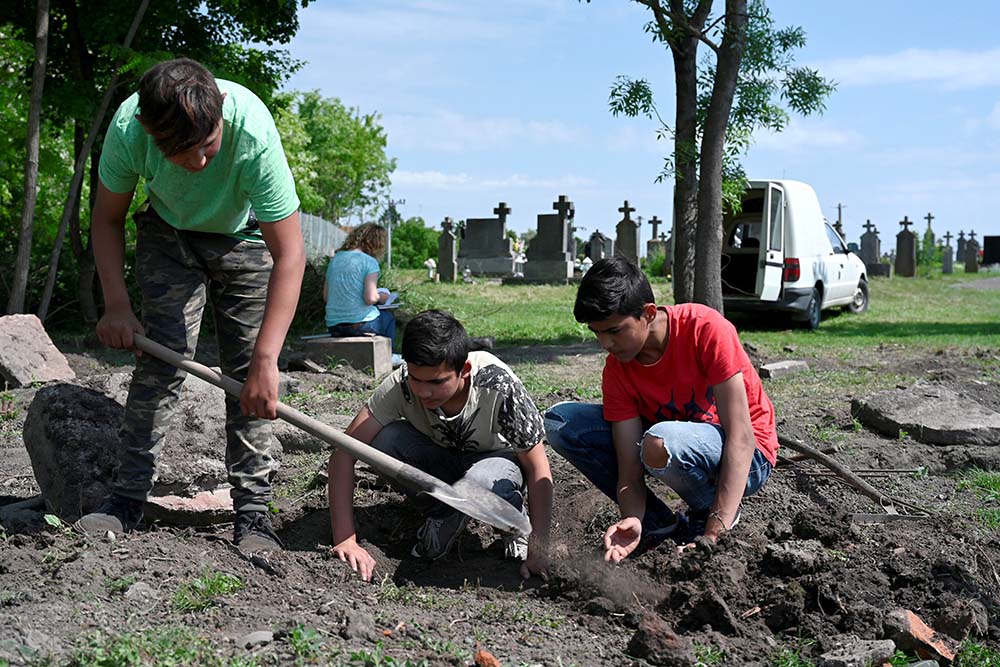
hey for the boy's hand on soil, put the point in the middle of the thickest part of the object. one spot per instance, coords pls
(621, 539)
(537, 564)
(116, 326)
(259, 397)
(355, 555)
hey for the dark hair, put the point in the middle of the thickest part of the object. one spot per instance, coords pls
(612, 286)
(179, 104)
(435, 337)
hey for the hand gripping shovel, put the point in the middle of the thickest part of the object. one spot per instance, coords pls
(466, 497)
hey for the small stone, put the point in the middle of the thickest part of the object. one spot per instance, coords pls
(779, 369)
(110, 536)
(140, 591)
(255, 639)
(854, 652)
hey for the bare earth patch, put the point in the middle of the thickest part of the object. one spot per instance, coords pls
(796, 573)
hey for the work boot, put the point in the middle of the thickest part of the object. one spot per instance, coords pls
(253, 533)
(117, 514)
(435, 537)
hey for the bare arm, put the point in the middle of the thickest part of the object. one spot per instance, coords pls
(737, 455)
(539, 482)
(340, 491)
(622, 538)
(372, 296)
(284, 241)
(118, 322)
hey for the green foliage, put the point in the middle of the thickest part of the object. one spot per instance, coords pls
(305, 642)
(653, 268)
(985, 482)
(205, 590)
(973, 654)
(768, 82)
(928, 254)
(167, 647)
(7, 410)
(787, 657)
(378, 658)
(341, 166)
(707, 655)
(412, 243)
(120, 584)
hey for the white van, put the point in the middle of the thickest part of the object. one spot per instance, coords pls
(779, 253)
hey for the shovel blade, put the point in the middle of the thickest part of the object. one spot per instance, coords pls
(482, 504)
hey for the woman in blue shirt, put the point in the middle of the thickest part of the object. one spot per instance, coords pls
(351, 287)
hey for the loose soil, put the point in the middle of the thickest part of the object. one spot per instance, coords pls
(794, 574)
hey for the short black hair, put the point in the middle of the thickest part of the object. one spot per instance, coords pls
(435, 337)
(180, 104)
(612, 286)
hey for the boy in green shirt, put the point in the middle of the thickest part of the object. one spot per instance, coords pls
(209, 151)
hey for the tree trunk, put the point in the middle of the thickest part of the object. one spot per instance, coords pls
(71, 207)
(685, 167)
(15, 302)
(708, 266)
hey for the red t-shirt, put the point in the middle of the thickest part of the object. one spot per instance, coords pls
(703, 350)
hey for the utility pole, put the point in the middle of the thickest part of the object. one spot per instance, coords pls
(391, 217)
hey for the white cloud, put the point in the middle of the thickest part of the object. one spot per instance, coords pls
(454, 132)
(993, 120)
(437, 180)
(951, 68)
(802, 135)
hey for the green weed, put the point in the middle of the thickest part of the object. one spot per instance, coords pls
(119, 585)
(7, 410)
(984, 482)
(305, 642)
(977, 655)
(378, 658)
(170, 647)
(990, 518)
(516, 614)
(707, 655)
(787, 657)
(903, 435)
(205, 590)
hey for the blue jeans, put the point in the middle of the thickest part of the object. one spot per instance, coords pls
(497, 471)
(383, 325)
(579, 432)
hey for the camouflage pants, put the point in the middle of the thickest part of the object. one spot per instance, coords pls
(178, 272)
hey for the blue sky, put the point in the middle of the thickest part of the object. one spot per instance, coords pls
(490, 101)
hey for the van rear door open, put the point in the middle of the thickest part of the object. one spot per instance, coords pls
(771, 260)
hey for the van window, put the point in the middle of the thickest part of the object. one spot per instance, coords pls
(838, 245)
(777, 218)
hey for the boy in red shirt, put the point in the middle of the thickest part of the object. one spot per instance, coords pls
(682, 402)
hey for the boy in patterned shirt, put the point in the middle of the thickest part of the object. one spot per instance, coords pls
(453, 414)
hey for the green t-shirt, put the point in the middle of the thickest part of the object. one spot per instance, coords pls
(250, 169)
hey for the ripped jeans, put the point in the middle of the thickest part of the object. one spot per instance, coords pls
(579, 432)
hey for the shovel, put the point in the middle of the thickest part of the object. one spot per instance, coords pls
(467, 497)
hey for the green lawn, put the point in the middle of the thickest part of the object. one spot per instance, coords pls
(927, 312)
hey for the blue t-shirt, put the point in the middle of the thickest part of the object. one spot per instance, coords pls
(345, 288)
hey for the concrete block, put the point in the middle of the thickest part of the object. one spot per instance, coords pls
(779, 369)
(372, 354)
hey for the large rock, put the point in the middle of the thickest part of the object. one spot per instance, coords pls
(27, 354)
(933, 414)
(71, 434)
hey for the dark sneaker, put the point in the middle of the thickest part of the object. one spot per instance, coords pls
(515, 547)
(653, 537)
(435, 537)
(116, 514)
(253, 532)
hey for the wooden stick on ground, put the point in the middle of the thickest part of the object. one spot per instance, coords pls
(845, 473)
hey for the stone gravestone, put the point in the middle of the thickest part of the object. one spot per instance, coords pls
(447, 266)
(960, 249)
(930, 231)
(627, 232)
(871, 252)
(548, 257)
(655, 244)
(906, 250)
(972, 254)
(485, 248)
(946, 252)
(595, 247)
(991, 250)
(27, 354)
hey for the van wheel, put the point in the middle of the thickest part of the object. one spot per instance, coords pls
(860, 302)
(813, 311)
